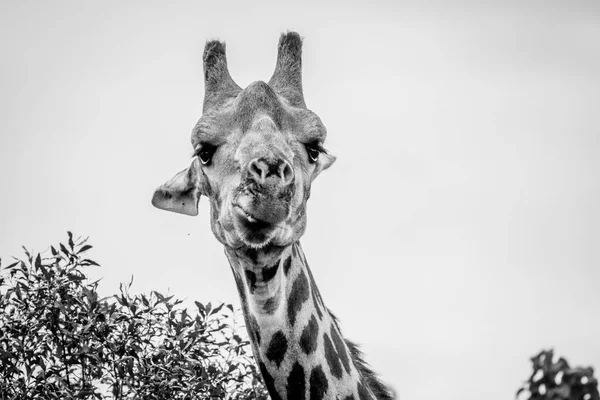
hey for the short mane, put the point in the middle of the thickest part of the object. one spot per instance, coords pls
(379, 389)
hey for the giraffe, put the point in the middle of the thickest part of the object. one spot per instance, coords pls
(256, 152)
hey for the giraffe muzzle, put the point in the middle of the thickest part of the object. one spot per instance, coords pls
(268, 204)
(266, 191)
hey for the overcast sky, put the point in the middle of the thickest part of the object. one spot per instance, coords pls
(457, 234)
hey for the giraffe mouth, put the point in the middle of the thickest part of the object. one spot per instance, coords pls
(250, 219)
(253, 231)
(262, 203)
(259, 211)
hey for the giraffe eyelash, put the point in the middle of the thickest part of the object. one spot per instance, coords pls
(317, 146)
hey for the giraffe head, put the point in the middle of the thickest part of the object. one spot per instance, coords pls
(256, 152)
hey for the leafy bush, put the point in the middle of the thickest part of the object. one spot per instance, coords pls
(59, 340)
(555, 380)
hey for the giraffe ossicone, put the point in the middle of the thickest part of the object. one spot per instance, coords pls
(256, 152)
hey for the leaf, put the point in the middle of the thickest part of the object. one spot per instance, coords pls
(64, 249)
(45, 272)
(130, 367)
(18, 292)
(122, 300)
(218, 308)
(84, 248)
(183, 316)
(71, 245)
(41, 363)
(75, 277)
(27, 253)
(161, 298)
(13, 265)
(87, 261)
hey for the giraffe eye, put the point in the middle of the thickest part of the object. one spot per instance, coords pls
(313, 152)
(205, 153)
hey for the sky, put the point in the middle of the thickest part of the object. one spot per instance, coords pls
(456, 235)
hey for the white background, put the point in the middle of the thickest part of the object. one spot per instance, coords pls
(456, 235)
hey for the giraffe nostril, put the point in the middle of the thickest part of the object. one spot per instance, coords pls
(286, 172)
(260, 170)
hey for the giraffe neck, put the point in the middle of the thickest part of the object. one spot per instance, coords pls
(296, 341)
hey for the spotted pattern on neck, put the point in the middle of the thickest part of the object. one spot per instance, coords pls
(295, 339)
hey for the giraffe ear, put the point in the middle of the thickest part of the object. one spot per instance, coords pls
(182, 193)
(325, 161)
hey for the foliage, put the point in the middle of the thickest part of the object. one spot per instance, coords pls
(59, 340)
(556, 380)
